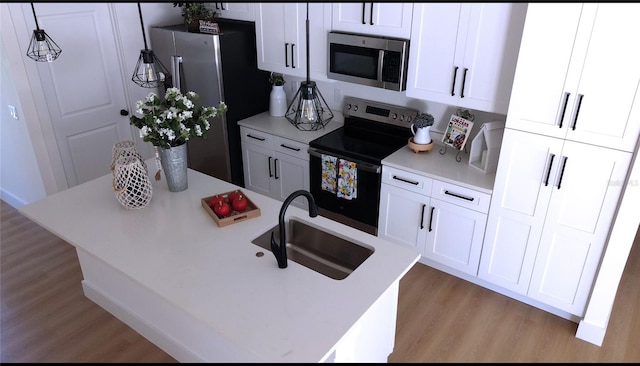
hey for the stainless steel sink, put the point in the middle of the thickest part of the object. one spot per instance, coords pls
(319, 250)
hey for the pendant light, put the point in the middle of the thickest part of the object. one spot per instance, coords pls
(149, 71)
(308, 110)
(42, 48)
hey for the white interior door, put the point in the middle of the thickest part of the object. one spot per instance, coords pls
(83, 88)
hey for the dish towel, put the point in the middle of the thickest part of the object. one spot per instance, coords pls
(329, 173)
(347, 179)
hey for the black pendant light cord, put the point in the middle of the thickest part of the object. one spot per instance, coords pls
(307, 23)
(34, 16)
(144, 37)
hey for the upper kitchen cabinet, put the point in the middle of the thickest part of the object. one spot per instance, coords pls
(465, 54)
(584, 86)
(383, 19)
(233, 10)
(281, 38)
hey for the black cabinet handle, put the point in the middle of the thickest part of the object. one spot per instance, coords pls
(270, 174)
(464, 78)
(470, 199)
(564, 164)
(363, 5)
(290, 148)
(275, 168)
(422, 217)
(217, 8)
(286, 55)
(371, 14)
(546, 181)
(222, 6)
(293, 65)
(431, 219)
(575, 116)
(405, 180)
(256, 138)
(124, 112)
(453, 82)
(564, 108)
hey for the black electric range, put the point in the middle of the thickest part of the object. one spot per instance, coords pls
(371, 132)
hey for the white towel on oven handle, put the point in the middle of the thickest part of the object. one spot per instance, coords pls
(347, 179)
(329, 173)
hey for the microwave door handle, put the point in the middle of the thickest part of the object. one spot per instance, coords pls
(380, 64)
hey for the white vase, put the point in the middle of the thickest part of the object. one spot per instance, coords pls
(277, 101)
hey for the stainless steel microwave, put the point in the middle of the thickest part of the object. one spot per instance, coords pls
(368, 60)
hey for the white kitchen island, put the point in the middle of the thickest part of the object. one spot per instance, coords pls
(200, 292)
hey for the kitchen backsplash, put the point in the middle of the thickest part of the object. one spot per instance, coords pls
(334, 92)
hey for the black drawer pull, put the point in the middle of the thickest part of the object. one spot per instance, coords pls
(459, 196)
(290, 148)
(431, 219)
(286, 55)
(269, 163)
(564, 108)
(406, 180)
(275, 168)
(256, 138)
(422, 217)
(453, 82)
(464, 79)
(546, 181)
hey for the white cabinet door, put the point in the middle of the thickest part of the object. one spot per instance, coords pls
(523, 186)
(454, 236)
(274, 166)
(281, 38)
(402, 216)
(233, 10)
(257, 166)
(384, 19)
(465, 54)
(576, 76)
(585, 194)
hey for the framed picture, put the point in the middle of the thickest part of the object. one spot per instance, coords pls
(209, 27)
(457, 132)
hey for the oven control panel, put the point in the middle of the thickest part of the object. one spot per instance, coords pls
(379, 112)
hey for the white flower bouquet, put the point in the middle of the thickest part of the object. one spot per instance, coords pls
(172, 121)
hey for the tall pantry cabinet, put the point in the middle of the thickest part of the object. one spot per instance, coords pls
(571, 131)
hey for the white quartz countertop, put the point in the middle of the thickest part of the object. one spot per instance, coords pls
(280, 126)
(173, 248)
(443, 167)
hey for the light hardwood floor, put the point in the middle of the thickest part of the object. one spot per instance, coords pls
(46, 318)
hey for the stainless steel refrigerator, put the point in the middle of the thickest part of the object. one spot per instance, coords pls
(219, 67)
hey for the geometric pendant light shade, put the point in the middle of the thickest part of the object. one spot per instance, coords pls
(149, 71)
(308, 111)
(42, 48)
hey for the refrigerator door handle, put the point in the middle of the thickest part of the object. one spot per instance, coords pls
(175, 70)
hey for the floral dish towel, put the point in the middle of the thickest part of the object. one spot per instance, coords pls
(347, 180)
(329, 173)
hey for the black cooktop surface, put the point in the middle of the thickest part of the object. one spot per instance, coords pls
(364, 140)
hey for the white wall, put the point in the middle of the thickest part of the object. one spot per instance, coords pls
(20, 179)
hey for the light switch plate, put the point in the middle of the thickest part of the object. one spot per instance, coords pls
(12, 111)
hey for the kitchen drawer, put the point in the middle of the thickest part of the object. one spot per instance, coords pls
(461, 196)
(256, 137)
(290, 147)
(409, 181)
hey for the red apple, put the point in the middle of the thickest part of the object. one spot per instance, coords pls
(215, 199)
(233, 195)
(221, 209)
(239, 204)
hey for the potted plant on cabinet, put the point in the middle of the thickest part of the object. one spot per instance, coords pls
(193, 13)
(277, 97)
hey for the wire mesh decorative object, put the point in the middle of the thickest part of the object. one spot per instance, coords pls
(125, 149)
(131, 183)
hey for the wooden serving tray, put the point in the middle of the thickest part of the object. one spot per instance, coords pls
(234, 216)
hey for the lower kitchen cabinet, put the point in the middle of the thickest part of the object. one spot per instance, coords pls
(445, 222)
(552, 207)
(274, 166)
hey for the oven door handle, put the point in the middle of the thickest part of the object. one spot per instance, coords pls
(360, 164)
